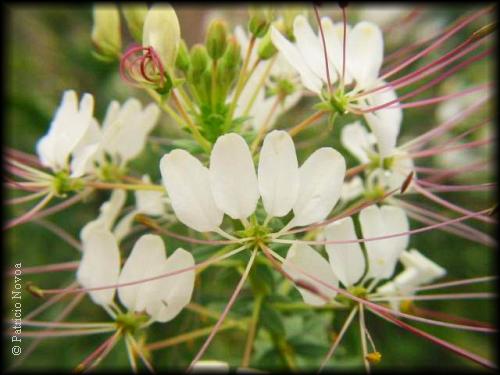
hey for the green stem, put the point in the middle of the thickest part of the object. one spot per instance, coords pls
(306, 123)
(252, 329)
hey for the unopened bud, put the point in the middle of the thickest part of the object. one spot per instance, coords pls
(162, 32)
(199, 62)
(266, 48)
(260, 20)
(135, 14)
(374, 357)
(182, 62)
(106, 35)
(232, 57)
(216, 39)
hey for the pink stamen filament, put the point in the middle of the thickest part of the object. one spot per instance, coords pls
(140, 281)
(57, 267)
(410, 232)
(459, 229)
(454, 283)
(325, 54)
(225, 312)
(445, 126)
(462, 352)
(380, 308)
(441, 150)
(450, 32)
(462, 296)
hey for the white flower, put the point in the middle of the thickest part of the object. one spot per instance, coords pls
(364, 56)
(360, 143)
(162, 299)
(70, 124)
(122, 136)
(419, 270)
(352, 189)
(200, 196)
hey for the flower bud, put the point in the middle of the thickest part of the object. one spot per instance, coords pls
(199, 62)
(106, 31)
(182, 62)
(134, 14)
(162, 32)
(260, 20)
(266, 48)
(216, 39)
(232, 57)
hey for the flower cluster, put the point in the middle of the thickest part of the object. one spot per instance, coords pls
(317, 222)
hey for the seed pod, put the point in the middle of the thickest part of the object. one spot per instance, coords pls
(135, 14)
(106, 35)
(216, 39)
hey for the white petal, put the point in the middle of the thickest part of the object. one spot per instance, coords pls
(428, 270)
(347, 260)
(232, 176)
(334, 38)
(311, 49)
(150, 202)
(173, 293)
(124, 226)
(294, 58)
(100, 265)
(354, 138)
(108, 212)
(188, 185)
(383, 254)
(352, 189)
(146, 260)
(402, 166)
(68, 127)
(365, 48)
(162, 32)
(384, 123)
(301, 257)
(321, 178)
(278, 173)
(126, 129)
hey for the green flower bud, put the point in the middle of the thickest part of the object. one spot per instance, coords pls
(199, 62)
(182, 62)
(232, 57)
(162, 32)
(266, 48)
(216, 39)
(134, 16)
(106, 35)
(260, 20)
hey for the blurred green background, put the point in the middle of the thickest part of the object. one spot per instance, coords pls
(49, 51)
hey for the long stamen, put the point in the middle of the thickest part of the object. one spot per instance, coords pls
(451, 206)
(448, 284)
(135, 282)
(225, 312)
(451, 31)
(462, 352)
(410, 232)
(432, 297)
(325, 54)
(380, 308)
(30, 214)
(339, 338)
